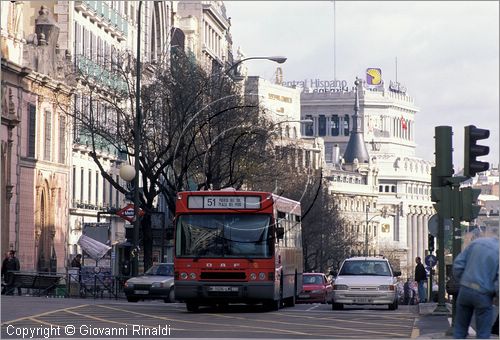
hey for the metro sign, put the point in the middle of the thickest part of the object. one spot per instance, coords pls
(128, 213)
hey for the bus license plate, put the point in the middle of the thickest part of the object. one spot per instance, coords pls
(222, 289)
(141, 292)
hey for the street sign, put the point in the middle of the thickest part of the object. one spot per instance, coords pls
(128, 213)
(431, 260)
(432, 226)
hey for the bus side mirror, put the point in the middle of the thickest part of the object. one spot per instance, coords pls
(280, 232)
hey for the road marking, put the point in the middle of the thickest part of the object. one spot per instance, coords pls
(316, 325)
(279, 331)
(42, 314)
(311, 308)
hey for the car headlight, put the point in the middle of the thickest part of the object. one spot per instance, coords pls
(157, 285)
(129, 285)
(340, 287)
(316, 291)
(386, 287)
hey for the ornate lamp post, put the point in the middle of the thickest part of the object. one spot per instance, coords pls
(128, 173)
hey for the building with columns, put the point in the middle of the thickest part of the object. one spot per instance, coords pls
(392, 179)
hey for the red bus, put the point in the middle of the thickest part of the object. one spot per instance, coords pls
(237, 247)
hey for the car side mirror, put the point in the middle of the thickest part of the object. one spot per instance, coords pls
(334, 272)
(397, 273)
(280, 232)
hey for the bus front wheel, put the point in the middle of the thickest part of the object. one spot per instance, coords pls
(272, 305)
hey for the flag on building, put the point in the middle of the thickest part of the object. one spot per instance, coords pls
(403, 124)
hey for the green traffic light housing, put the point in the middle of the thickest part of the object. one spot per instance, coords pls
(430, 239)
(470, 208)
(472, 150)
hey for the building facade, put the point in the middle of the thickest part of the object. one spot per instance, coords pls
(37, 160)
(399, 180)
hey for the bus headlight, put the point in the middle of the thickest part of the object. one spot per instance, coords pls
(192, 276)
(262, 276)
(253, 276)
(184, 276)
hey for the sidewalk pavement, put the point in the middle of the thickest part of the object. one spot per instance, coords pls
(430, 325)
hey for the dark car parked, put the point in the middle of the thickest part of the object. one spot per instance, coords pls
(156, 283)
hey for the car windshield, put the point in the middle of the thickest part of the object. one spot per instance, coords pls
(312, 279)
(161, 270)
(223, 235)
(378, 268)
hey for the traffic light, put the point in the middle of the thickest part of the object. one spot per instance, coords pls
(440, 190)
(443, 198)
(472, 150)
(444, 151)
(470, 208)
(430, 239)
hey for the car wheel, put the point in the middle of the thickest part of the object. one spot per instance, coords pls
(132, 299)
(171, 295)
(337, 306)
(192, 307)
(394, 305)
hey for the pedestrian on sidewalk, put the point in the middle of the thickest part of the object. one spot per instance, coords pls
(9, 265)
(476, 268)
(420, 278)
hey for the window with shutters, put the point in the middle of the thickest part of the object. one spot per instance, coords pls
(47, 135)
(322, 125)
(62, 139)
(346, 125)
(335, 125)
(31, 130)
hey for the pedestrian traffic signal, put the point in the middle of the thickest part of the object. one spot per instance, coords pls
(470, 208)
(430, 239)
(472, 150)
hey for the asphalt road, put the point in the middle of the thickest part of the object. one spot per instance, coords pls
(33, 317)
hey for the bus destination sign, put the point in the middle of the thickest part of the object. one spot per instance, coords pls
(224, 202)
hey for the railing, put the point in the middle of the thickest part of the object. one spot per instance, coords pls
(65, 285)
(104, 14)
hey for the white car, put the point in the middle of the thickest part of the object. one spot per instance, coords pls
(365, 281)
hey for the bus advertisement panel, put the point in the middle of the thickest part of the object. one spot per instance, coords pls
(237, 247)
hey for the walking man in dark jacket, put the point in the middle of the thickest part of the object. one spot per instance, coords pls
(10, 264)
(420, 278)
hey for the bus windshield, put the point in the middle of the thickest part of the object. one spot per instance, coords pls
(223, 235)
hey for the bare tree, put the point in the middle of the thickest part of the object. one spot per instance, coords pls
(197, 130)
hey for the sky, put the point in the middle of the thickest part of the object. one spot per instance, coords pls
(447, 55)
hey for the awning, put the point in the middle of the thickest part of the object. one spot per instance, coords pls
(95, 249)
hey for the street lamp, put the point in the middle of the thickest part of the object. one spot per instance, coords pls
(137, 143)
(276, 59)
(383, 213)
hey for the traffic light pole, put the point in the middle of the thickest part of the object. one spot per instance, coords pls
(441, 306)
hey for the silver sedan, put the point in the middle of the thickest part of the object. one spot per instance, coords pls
(156, 283)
